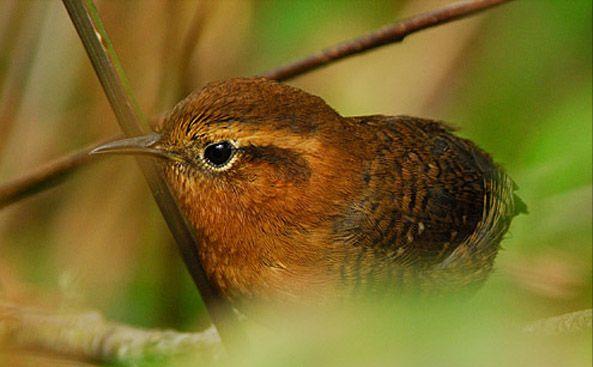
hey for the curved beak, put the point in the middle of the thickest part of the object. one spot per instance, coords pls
(138, 145)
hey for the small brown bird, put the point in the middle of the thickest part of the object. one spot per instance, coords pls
(291, 198)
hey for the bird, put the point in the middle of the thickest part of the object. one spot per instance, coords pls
(293, 201)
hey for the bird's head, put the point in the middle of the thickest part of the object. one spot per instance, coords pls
(251, 151)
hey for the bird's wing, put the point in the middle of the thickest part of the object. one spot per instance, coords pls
(428, 192)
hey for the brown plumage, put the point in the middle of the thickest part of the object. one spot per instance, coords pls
(290, 198)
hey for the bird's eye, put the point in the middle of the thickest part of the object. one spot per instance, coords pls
(219, 154)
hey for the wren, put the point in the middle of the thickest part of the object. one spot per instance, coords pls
(290, 198)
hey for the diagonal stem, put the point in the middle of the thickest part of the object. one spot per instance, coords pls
(95, 39)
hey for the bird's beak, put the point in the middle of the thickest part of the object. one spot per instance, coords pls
(138, 145)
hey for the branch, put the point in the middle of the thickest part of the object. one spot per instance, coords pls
(89, 337)
(97, 44)
(389, 34)
(50, 174)
(46, 176)
(574, 322)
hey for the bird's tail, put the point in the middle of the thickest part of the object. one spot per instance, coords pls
(471, 262)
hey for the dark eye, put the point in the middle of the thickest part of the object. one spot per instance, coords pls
(219, 154)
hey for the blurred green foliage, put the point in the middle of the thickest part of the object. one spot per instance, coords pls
(517, 80)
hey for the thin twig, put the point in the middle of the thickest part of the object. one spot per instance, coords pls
(89, 337)
(46, 176)
(574, 322)
(87, 22)
(389, 34)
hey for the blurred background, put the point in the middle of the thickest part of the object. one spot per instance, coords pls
(515, 79)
